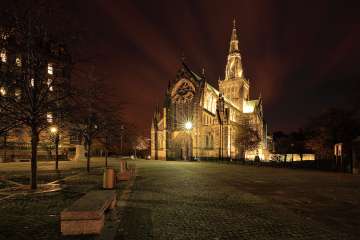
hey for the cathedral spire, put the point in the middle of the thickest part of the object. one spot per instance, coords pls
(234, 43)
(234, 67)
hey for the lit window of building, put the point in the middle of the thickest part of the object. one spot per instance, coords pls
(4, 36)
(32, 82)
(17, 93)
(49, 83)
(248, 108)
(50, 69)
(2, 91)
(206, 101)
(213, 110)
(49, 117)
(3, 56)
(18, 61)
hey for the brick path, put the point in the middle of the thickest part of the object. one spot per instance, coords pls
(175, 200)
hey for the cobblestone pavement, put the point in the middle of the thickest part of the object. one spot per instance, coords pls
(191, 200)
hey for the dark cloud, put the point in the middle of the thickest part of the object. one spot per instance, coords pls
(303, 56)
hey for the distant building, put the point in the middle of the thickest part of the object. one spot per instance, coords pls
(15, 144)
(198, 121)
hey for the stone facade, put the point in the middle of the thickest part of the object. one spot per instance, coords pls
(197, 121)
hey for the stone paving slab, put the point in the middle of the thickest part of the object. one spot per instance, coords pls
(206, 201)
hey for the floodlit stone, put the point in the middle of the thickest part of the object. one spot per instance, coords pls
(86, 215)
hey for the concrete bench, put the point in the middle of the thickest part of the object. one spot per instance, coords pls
(87, 214)
(126, 171)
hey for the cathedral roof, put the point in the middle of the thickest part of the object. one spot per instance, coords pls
(194, 75)
(228, 101)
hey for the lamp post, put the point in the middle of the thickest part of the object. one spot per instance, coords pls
(188, 127)
(121, 139)
(107, 144)
(5, 146)
(55, 133)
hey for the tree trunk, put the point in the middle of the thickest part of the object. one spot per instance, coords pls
(88, 157)
(34, 145)
(57, 152)
(5, 146)
(106, 157)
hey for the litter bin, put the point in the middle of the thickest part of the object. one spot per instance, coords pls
(109, 178)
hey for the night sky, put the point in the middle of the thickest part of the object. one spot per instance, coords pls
(303, 56)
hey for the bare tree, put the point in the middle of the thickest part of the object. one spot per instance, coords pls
(34, 83)
(111, 135)
(249, 136)
(89, 111)
(141, 144)
(330, 127)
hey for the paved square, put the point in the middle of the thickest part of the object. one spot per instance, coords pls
(192, 200)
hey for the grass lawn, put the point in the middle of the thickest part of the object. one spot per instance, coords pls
(36, 216)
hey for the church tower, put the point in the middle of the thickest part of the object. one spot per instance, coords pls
(234, 87)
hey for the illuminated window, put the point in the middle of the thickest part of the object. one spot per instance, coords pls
(2, 91)
(18, 61)
(206, 101)
(49, 83)
(50, 69)
(212, 100)
(32, 82)
(248, 108)
(17, 93)
(49, 117)
(3, 56)
(4, 36)
(213, 106)
(209, 141)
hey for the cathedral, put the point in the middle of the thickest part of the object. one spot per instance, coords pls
(199, 121)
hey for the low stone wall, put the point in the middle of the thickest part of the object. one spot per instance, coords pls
(25, 155)
(293, 157)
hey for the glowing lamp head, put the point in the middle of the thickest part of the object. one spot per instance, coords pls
(53, 130)
(188, 125)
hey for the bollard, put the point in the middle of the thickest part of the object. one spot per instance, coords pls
(124, 173)
(123, 166)
(109, 178)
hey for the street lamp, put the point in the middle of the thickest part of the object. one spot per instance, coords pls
(188, 125)
(55, 132)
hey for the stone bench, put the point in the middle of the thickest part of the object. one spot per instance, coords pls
(126, 171)
(87, 214)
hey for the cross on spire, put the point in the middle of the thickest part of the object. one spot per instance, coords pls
(234, 39)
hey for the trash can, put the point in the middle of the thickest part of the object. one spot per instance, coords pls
(109, 178)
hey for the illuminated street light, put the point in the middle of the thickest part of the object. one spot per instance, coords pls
(53, 130)
(2, 91)
(188, 125)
